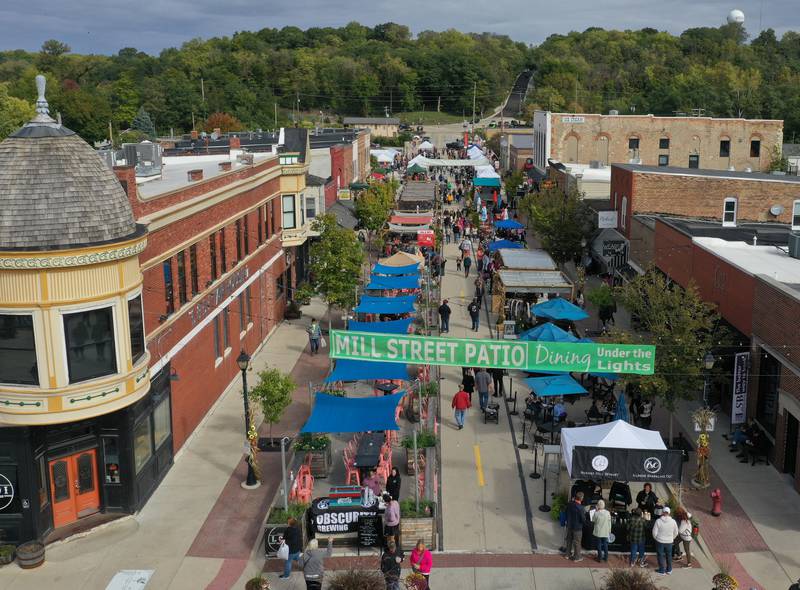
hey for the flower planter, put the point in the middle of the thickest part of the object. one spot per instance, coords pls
(30, 555)
(321, 461)
(422, 457)
(413, 529)
(7, 553)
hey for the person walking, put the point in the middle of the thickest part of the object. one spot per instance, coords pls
(393, 483)
(390, 566)
(391, 519)
(497, 381)
(468, 382)
(601, 529)
(444, 317)
(461, 402)
(479, 290)
(293, 538)
(422, 561)
(636, 537)
(474, 314)
(483, 382)
(576, 517)
(665, 529)
(684, 520)
(314, 335)
(467, 263)
(313, 563)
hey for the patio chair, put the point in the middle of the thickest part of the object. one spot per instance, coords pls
(352, 474)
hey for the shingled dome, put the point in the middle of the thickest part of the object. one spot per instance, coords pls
(56, 191)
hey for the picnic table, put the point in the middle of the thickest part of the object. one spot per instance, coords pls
(369, 450)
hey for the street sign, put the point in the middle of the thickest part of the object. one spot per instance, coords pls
(506, 354)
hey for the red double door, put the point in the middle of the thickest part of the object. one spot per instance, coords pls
(74, 489)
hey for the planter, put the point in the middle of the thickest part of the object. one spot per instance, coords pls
(321, 461)
(7, 553)
(273, 445)
(258, 583)
(30, 555)
(422, 457)
(413, 529)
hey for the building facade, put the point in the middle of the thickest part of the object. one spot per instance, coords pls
(681, 142)
(377, 126)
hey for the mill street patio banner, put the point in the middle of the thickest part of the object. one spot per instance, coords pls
(523, 355)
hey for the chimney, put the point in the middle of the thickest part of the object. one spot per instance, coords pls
(195, 175)
(194, 134)
(225, 166)
(235, 143)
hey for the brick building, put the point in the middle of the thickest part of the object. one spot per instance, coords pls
(377, 126)
(729, 197)
(685, 142)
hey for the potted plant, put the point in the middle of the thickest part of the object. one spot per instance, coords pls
(30, 554)
(724, 581)
(425, 440)
(336, 392)
(273, 393)
(558, 508)
(356, 580)
(629, 579)
(319, 448)
(417, 524)
(7, 553)
(415, 581)
(257, 583)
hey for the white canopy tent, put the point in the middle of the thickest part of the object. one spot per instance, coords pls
(425, 145)
(474, 152)
(486, 172)
(421, 160)
(617, 435)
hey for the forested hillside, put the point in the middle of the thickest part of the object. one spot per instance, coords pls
(714, 69)
(353, 70)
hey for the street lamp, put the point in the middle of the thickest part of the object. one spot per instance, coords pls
(243, 360)
(708, 362)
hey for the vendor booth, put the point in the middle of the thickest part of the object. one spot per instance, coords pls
(527, 287)
(531, 259)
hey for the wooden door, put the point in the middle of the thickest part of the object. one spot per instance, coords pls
(74, 489)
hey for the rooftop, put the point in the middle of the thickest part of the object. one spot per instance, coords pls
(755, 260)
(652, 116)
(772, 234)
(706, 173)
(521, 141)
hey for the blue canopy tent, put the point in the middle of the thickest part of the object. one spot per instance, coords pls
(489, 182)
(548, 333)
(609, 376)
(370, 304)
(379, 282)
(508, 224)
(390, 327)
(496, 245)
(559, 309)
(353, 414)
(555, 385)
(393, 271)
(351, 370)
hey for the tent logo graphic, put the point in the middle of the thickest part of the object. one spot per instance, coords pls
(600, 463)
(652, 465)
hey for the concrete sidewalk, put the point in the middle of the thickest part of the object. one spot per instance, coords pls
(159, 537)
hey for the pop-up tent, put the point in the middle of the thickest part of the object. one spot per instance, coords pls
(401, 259)
(508, 224)
(415, 169)
(559, 309)
(352, 370)
(548, 333)
(353, 414)
(498, 244)
(394, 271)
(369, 304)
(388, 327)
(487, 182)
(382, 283)
(555, 385)
(425, 145)
(618, 451)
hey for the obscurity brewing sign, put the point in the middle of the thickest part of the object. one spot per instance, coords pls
(741, 377)
(519, 354)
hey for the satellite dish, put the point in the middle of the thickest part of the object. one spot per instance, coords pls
(776, 210)
(736, 16)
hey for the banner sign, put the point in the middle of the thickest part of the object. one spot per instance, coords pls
(741, 377)
(328, 516)
(521, 354)
(609, 464)
(607, 219)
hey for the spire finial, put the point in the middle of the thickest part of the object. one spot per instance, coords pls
(41, 103)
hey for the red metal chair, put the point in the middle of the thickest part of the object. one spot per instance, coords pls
(352, 472)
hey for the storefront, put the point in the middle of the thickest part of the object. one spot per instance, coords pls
(609, 249)
(60, 474)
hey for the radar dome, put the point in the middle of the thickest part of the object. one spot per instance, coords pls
(736, 16)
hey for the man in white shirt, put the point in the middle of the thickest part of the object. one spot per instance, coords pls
(665, 530)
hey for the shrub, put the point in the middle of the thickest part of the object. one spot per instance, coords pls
(309, 442)
(278, 514)
(356, 580)
(629, 579)
(408, 508)
(429, 389)
(425, 439)
(558, 504)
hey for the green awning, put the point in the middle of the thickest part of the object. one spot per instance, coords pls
(414, 169)
(358, 186)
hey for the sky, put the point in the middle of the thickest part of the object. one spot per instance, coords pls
(103, 26)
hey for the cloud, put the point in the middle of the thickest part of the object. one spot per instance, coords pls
(93, 26)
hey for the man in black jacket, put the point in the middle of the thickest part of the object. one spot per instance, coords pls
(444, 316)
(474, 314)
(390, 566)
(576, 517)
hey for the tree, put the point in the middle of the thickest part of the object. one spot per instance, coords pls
(55, 48)
(142, 122)
(512, 183)
(777, 161)
(224, 122)
(562, 221)
(273, 393)
(680, 325)
(14, 112)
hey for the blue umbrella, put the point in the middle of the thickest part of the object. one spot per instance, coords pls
(622, 408)
(548, 333)
(555, 385)
(559, 309)
(508, 224)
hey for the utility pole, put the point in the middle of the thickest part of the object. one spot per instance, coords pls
(391, 100)
(276, 115)
(110, 134)
(193, 125)
(474, 96)
(203, 89)
(576, 94)
(439, 105)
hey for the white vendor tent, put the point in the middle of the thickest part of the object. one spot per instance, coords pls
(425, 145)
(486, 172)
(615, 435)
(474, 152)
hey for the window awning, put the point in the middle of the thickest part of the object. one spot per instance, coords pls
(370, 304)
(352, 370)
(388, 327)
(353, 414)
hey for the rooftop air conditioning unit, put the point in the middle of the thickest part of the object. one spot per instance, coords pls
(595, 164)
(794, 245)
(613, 112)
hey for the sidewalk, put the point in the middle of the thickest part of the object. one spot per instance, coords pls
(171, 534)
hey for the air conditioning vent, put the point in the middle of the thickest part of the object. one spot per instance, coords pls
(794, 245)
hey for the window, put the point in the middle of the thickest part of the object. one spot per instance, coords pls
(694, 161)
(623, 213)
(226, 328)
(724, 148)
(274, 204)
(796, 215)
(162, 426)
(260, 225)
(217, 348)
(182, 277)
(311, 207)
(18, 350)
(249, 302)
(142, 443)
(633, 143)
(169, 295)
(41, 481)
(111, 459)
(222, 253)
(91, 350)
(242, 322)
(729, 212)
(246, 230)
(279, 286)
(238, 224)
(663, 160)
(663, 143)
(288, 212)
(193, 269)
(755, 148)
(212, 248)
(136, 323)
(268, 220)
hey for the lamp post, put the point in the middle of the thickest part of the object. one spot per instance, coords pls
(708, 362)
(243, 360)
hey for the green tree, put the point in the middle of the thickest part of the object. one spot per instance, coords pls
(14, 112)
(142, 122)
(512, 182)
(273, 393)
(777, 163)
(373, 208)
(680, 325)
(562, 222)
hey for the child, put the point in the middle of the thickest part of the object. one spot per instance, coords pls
(458, 263)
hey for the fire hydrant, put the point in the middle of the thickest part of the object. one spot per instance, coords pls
(716, 502)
